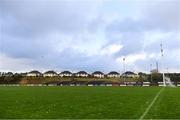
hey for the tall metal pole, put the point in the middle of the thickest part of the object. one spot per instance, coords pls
(150, 71)
(162, 55)
(124, 68)
(157, 67)
(167, 70)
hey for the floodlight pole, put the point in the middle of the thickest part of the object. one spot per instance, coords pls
(162, 55)
(124, 69)
(150, 71)
(167, 70)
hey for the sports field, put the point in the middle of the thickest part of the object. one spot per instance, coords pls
(90, 102)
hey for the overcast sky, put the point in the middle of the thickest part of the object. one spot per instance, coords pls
(89, 35)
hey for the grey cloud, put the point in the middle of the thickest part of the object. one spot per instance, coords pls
(163, 15)
(157, 16)
(21, 48)
(170, 61)
(27, 25)
(132, 37)
(38, 17)
(69, 59)
(169, 43)
(126, 26)
(98, 23)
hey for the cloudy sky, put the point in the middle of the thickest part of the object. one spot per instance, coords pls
(89, 35)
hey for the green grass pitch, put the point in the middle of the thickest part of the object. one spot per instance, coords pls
(89, 102)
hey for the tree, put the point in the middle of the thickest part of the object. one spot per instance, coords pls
(157, 77)
(143, 76)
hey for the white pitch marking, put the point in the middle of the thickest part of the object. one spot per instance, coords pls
(151, 104)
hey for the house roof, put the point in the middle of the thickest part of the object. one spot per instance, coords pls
(66, 72)
(50, 72)
(113, 72)
(82, 72)
(129, 73)
(34, 72)
(98, 72)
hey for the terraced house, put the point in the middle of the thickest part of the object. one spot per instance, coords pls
(65, 74)
(98, 74)
(34, 73)
(130, 74)
(81, 74)
(113, 74)
(50, 74)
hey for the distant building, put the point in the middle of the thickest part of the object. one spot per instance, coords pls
(130, 74)
(113, 74)
(34, 73)
(81, 74)
(50, 74)
(98, 74)
(65, 74)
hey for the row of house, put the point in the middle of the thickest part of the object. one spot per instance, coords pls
(98, 74)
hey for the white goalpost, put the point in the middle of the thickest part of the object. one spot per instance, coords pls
(166, 80)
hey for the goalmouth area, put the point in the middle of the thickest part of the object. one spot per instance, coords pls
(83, 102)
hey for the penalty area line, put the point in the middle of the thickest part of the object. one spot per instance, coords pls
(151, 104)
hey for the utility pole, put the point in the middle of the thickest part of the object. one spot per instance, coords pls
(162, 55)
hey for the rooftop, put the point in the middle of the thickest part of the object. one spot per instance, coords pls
(98, 72)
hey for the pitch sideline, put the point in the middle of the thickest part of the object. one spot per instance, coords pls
(151, 104)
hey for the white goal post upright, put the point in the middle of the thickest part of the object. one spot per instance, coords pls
(162, 55)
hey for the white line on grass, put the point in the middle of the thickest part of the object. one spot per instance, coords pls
(151, 104)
